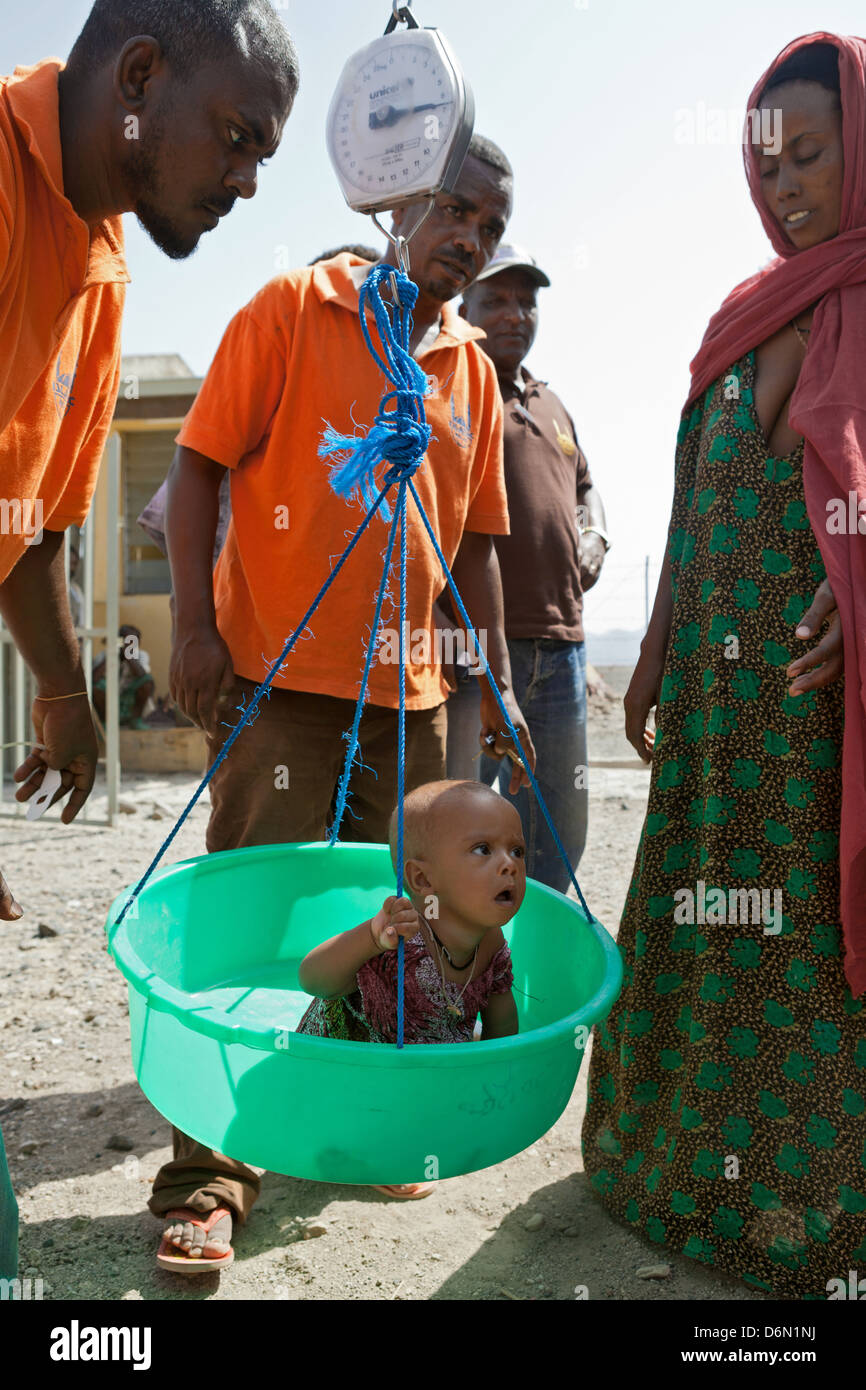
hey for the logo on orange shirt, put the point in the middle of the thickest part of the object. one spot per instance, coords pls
(461, 425)
(63, 384)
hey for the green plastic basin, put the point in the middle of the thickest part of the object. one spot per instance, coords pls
(211, 949)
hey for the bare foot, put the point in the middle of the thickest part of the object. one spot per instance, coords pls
(193, 1240)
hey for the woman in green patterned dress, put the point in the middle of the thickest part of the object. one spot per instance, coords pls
(727, 1090)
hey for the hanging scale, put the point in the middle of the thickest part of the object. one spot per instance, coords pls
(400, 123)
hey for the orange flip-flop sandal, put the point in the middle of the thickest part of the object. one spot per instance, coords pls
(421, 1189)
(201, 1264)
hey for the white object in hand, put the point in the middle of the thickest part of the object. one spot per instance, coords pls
(38, 804)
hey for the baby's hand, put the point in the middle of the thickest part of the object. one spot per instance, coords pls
(397, 917)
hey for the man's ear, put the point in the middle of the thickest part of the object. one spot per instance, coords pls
(140, 60)
(415, 876)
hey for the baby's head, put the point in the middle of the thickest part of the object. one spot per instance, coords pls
(464, 844)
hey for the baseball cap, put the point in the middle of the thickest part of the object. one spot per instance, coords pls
(508, 256)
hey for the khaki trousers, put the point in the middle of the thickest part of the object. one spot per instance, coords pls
(251, 805)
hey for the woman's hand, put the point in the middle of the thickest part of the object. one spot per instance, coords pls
(396, 917)
(642, 696)
(824, 663)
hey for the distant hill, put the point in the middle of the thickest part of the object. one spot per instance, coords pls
(615, 647)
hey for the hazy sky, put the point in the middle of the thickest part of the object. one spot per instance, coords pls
(622, 121)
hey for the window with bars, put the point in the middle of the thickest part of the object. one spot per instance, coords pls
(147, 457)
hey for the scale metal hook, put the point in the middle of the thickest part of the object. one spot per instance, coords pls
(401, 243)
(401, 14)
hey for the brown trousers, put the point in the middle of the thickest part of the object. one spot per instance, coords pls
(251, 805)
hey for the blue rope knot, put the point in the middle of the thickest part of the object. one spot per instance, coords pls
(399, 437)
(406, 446)
(407, 290)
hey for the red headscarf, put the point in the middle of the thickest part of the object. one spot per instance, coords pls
(829, 409)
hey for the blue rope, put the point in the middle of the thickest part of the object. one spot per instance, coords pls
(353, 736)
(263, 689)
(401, 755)
(495, 688)
(399, 437)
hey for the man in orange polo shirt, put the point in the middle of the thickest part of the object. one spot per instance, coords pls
(164, 110)
(293, 359)
(170, 126)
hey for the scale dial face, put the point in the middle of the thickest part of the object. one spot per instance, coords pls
(397, 120)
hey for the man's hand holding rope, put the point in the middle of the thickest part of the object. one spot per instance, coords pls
(502, 745)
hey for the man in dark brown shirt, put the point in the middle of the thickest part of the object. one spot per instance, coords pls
(553, 555)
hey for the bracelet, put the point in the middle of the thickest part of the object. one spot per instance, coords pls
(49, 698)
(598, 532)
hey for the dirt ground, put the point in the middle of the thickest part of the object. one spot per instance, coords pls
(84, 1144)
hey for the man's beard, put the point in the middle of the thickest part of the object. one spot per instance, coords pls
(144, 186)
(441, 289)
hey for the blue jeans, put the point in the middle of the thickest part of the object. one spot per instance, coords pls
(8, 1221)
(549, 680)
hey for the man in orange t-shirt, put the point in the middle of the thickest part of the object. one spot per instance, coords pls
(293, 359)
(170, 126)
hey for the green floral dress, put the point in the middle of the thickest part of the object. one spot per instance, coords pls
(727, 1089)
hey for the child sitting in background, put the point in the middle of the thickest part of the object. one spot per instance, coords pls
(465, 874)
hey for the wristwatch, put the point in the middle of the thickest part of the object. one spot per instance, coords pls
(597, 531)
